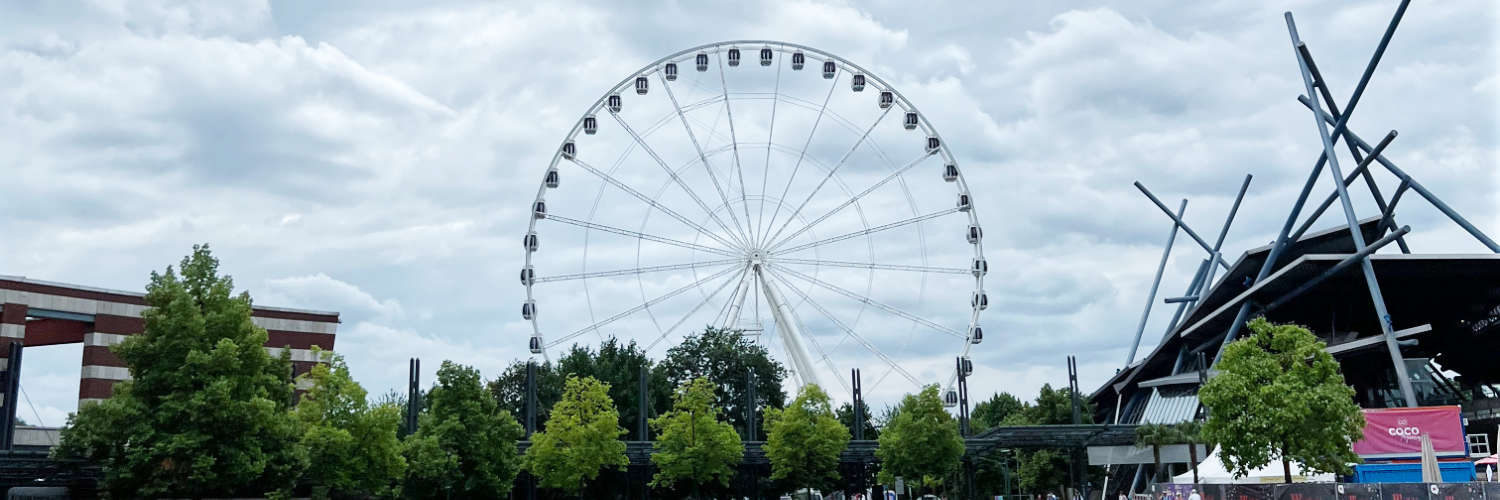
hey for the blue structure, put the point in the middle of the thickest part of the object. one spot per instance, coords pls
(1411, 472)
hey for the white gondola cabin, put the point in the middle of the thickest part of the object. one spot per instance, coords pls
(798, 60)
(887, 99)
(967, 365)
(613, 103)
(590, 125)
(642, 85)
(980, 301)
(911, 121)
(702, 61)
(539, 209)
(734, 57)
(964, 205)
(670, 71)
(976, 335)
(765, 57)
(975, 234)
(950, 172)
(529, 242)
(536, 345)
(950, 398)
(528, 275)
(857, 83)
(933, 144)
(552, 178)
(569, 150)
(980, 267)
(528, 310)
(829, 69)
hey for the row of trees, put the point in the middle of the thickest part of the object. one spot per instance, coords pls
(209, 412)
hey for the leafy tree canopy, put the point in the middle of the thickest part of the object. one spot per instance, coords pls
(352, 447)
(1279, 395)
(921, 443)
(992, 412)
(615, 363)
(694, 445)
(205, 413)
(724, 357)
(464, 447)
(845, 413)
(582, 438)
(804, 440)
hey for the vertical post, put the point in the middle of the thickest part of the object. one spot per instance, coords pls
(12, 386)
(1077, 473)
(750, 399)
(963, 399)
(413, 394)
(1382, 316)
(1155, 282)
(644, 406)
(859, 406)
(530, 398)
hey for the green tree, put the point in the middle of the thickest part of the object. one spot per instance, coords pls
(845, 413)
(509, 390)
(992, 412)
(464, 447)
(804, 440)
(615, 363)
(694, 445)
(582, 439)
(725, 357)
(352, 448)
(1049, 469)
(921, 443)
(1156, 436)
(205, 413)
(1191, 433)
(1279, 395)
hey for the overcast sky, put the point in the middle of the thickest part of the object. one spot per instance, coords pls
(378, 160)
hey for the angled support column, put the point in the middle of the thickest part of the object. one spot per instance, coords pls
(1382, 315)
(1166, 251)
(787, 329)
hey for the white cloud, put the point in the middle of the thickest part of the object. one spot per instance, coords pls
(379, 161)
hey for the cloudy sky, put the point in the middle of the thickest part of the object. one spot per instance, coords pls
(379, 160)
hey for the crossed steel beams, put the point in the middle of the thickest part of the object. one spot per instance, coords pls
(1364, 155)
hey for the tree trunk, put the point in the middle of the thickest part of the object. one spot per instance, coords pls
(1156, 456)
(1286, 465)
(1193, 456)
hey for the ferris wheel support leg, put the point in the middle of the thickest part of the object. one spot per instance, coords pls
(790, 333)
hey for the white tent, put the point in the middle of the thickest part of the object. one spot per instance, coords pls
(1211, 471)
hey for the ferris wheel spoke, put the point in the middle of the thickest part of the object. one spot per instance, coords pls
(636, 270)
(695, 309)
(822, 110)
(736, 302)
(681, 116)
(733, 141)
(649, 201)
(658, 299)
(765, 170)
(640, 235)
(847, 330)
(831, 171)
(863, 232)
(675, 178)
(870, 265)
(866, 300)
(856, 197)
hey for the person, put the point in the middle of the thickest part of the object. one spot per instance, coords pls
(1193, 495)
(1051, 496)
(1122, 495)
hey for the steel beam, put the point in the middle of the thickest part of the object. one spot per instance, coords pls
(1415, 186)
(1166, 251)
(1179, 221)
(1382, 315)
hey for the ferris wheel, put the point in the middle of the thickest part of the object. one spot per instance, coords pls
(765, 187)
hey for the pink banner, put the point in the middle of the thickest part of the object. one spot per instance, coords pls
(1396, 432)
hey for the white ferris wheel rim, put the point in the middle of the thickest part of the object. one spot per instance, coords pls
(655, 68)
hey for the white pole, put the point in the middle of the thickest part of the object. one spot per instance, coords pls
(790, 335)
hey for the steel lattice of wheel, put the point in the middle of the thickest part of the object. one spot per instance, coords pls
(767, 187)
